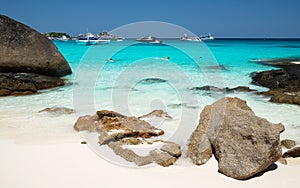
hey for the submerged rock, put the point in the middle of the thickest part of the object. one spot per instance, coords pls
(23, 49)
(152, 81)
(226, 89)
(26, 83)
(243, 143)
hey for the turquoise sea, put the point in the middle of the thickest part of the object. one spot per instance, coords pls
(140, 80)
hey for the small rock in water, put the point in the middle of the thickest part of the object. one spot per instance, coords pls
(152, 81)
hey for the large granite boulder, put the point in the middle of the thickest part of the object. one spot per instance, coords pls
(243, 143)
(23, 49)
(26, 83)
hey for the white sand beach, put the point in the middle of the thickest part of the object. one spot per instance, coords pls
(68, 163)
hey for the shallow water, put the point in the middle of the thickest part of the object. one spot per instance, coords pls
(140, 80)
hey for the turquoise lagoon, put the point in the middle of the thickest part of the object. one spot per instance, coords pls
(140, 80)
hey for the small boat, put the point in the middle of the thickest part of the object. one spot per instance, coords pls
(149, 39)
(207, 37)
(120, 39)
(104, 40)
(188, 38)
(90, 39)
(63, 38)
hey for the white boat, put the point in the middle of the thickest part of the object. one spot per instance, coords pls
(189, 38)
(207, 37)
(149, 39)
(120, 39)
(90, 39)
(63, 38)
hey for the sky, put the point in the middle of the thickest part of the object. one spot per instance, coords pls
(221, 18)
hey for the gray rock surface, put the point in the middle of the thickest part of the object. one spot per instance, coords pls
(243, 143)
(23, 49)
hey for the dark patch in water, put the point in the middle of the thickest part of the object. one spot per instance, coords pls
(288, 46)
(149, 44)
(277, 62)
(216, 67)
(152, 81)
(182, 105)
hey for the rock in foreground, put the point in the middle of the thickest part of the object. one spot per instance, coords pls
(118, 131)
(23, 49)
(243, 143)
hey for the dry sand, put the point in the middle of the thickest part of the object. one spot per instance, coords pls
(67, 163)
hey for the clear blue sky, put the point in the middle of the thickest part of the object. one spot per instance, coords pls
(222, 18)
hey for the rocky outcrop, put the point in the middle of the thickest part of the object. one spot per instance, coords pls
(286, 97)
(295, 152)
(288, 143)
(276, 79)
(26, 83)
(243, 143)
(225, 90)
(284, 84)
(117, 130)
(23, 49)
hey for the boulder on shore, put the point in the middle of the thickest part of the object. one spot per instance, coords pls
(26, 83)
(284, 84)
(119, 131)
(23, 49)
(243, 143)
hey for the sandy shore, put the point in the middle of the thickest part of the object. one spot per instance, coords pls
(71, 164)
